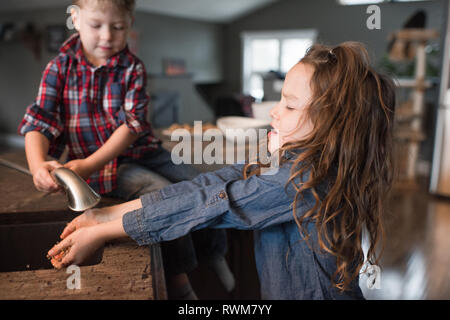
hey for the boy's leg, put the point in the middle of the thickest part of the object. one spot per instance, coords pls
(178, 255)
(210, 244)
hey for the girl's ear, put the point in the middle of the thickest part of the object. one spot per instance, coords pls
(75, 14)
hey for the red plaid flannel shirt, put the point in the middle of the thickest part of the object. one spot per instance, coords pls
(80, 106)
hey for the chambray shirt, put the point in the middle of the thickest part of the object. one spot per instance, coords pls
(288, 268)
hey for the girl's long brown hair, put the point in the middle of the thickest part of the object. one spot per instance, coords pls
(350, 148)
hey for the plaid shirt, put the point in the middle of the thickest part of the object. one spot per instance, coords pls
(80, 106)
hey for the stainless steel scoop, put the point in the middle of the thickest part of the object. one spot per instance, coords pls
(80, 195)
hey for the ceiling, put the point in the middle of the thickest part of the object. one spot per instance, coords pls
(207, 10)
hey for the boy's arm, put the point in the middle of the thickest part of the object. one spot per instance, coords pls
(42, 124)
(119, 141)
(135, 113)
(36, 148)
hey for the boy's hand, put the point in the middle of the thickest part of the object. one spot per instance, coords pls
(42, 178)
(76, 248)
(81, 166)
(89, 218)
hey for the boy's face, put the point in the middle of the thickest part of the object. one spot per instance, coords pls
(103, 30)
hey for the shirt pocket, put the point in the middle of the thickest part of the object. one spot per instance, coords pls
(113, 102)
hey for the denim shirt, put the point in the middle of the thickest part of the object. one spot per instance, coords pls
(288, 266)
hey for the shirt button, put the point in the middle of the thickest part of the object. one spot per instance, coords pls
(222, 195)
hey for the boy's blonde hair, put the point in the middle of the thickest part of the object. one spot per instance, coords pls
(125, 5)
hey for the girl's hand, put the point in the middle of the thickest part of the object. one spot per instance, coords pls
(89, 218)
(95, 216)
(42, 178)
(76, 248)
(82, 243)
(81, 166)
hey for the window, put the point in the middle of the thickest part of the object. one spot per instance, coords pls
(271, 51)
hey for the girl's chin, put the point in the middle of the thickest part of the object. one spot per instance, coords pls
(274, 142)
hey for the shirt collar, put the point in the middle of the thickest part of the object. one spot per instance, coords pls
(292, 154)
(72, 46)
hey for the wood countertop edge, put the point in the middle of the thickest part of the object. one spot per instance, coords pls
(127, 271)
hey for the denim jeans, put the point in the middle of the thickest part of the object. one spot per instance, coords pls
(138, 177)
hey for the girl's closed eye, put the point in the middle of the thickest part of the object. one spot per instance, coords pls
(95, 26)
(289, 108)
(119, 27)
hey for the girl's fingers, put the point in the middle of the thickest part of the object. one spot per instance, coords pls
(55, 263)
(65, 244)
(68, 259)
(71, 227)
(62, 259)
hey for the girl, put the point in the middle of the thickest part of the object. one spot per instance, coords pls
(332, 130)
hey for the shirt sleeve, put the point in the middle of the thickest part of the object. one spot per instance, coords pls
(255, 203)
(136, 100)
(227, 173)
(44, 114)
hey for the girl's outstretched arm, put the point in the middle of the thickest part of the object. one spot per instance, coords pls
(96, 216)
(206, 202)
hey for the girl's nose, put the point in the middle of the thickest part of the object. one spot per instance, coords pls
(274, 112)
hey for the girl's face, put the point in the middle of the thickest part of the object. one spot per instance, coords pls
(290, 122)
(103, 30)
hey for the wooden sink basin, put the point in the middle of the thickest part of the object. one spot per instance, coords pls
(24, 246)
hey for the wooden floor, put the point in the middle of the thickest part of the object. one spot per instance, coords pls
(416, 260)
(415, 263)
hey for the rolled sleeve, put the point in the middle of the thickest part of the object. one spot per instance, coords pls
(136, 100)
(44, 115)
(150, 198)
(133, 225)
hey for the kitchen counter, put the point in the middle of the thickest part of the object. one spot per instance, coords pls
(126, 270)
(115, 277)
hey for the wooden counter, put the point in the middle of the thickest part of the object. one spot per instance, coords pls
(126, 271)
(17, 194)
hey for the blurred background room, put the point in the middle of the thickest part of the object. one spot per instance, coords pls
(209, 59)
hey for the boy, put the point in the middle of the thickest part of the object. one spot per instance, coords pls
(92, 99)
